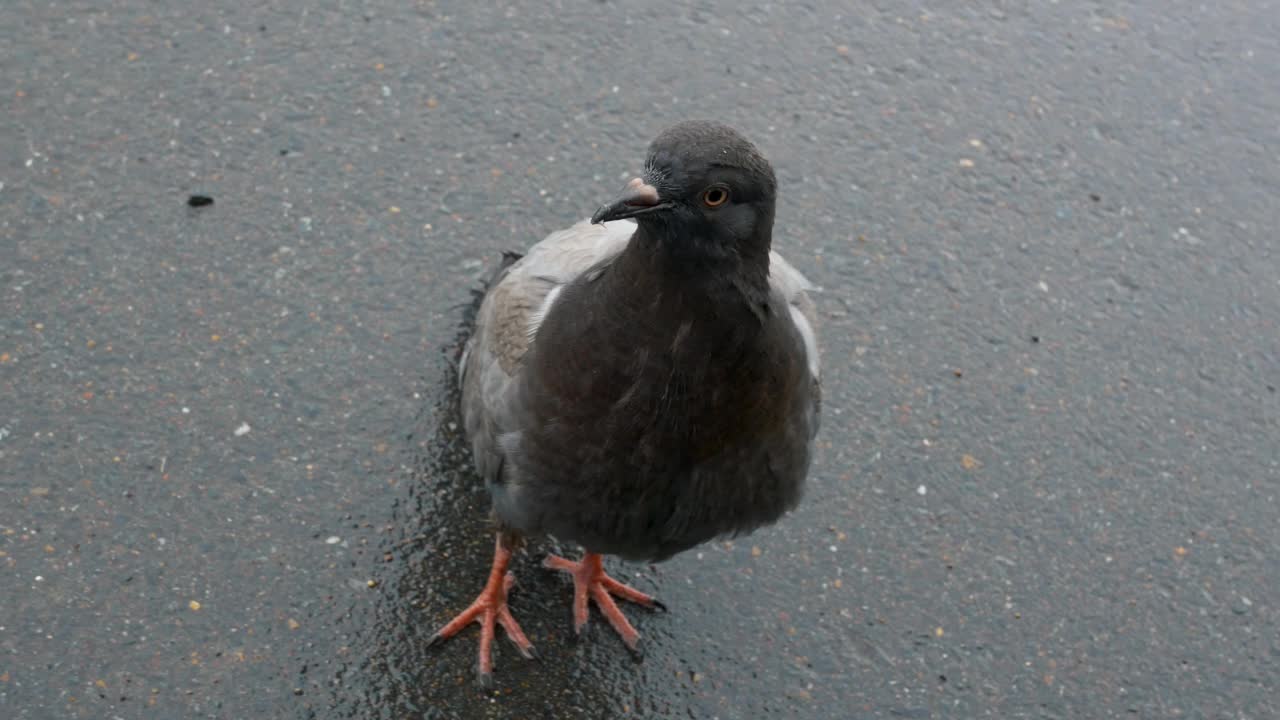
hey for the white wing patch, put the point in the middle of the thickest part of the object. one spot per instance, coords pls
(810, 339)
(795, 287)
(537, 316)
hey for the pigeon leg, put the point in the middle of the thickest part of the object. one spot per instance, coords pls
(490, 608)
(591, 582)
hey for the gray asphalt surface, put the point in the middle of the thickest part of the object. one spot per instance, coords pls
(231, 482)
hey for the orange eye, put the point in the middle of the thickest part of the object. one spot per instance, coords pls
(715, 197)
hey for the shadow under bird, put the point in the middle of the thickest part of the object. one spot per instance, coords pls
(643, 382)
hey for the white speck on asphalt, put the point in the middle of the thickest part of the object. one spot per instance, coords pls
(333, 540)
(243, 429)
(922, 490)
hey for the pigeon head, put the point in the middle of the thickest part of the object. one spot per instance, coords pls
(704, 187)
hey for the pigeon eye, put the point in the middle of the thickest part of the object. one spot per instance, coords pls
(715, 197)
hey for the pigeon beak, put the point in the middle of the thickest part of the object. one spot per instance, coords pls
(638, 198)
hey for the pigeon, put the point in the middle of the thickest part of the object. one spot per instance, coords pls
(643, 381)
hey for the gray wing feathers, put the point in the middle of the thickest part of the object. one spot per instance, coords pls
(508, 321)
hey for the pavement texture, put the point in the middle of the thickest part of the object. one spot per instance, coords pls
(231, 478)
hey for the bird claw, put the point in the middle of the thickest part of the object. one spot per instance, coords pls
(490, 611)
(637, 649)
(592, 584)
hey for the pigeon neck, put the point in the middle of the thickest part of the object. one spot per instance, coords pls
(719, 274)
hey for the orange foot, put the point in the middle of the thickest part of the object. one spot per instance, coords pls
(590, 580)
(490, 608)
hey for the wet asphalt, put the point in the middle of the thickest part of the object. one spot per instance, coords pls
(231, 479)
